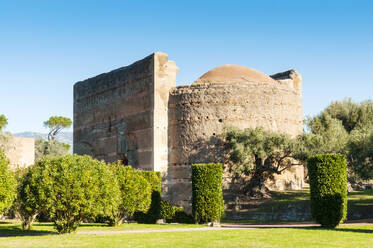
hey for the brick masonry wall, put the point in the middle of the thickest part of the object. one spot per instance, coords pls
(113, 115)
(198, 115)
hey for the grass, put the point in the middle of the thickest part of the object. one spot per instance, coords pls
(344, 236)
(43, 234)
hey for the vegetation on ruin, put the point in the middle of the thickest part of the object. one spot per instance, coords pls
(328, 182)
(207, 195)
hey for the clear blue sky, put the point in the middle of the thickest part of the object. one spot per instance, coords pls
(47, 46)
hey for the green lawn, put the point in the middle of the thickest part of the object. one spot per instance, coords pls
(43, 234)
(345, 236)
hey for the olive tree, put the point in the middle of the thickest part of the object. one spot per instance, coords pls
(360, 154)
(256, 154)
(135, 192)
(344, 127)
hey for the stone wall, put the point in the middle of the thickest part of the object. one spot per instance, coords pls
(20, 151)
(198, 115)
(115, 113)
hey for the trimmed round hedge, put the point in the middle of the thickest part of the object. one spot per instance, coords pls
(207, 197)
(328, 182)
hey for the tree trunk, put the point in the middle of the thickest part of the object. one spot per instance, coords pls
(256, 186)
(27, 222)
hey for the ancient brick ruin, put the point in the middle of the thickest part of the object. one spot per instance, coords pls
(138, 115)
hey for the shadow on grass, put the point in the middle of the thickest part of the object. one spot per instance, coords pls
(16, 231)
(354, 230)
(94, 224)
(310, 228)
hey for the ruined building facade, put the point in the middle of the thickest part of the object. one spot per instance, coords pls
(138, 115)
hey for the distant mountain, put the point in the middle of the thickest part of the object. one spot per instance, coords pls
(65, 137)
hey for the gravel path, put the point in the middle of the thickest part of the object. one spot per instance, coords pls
(223, 227)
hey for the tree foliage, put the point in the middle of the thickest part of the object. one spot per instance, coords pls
(360, 154)
(51, 148)
(153, 214)
(29, 198)
(168, 211)
(73, 188)
(3, 122)
(56, 124)
(7, 183)
(135, 192)
(259, 154)
(353, 115)
(344, 127)
(327, 135)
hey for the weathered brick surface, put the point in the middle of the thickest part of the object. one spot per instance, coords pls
(115, 102)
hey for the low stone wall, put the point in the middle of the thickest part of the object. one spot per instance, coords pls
(20, 152)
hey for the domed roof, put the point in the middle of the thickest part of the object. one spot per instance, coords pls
(233, 74)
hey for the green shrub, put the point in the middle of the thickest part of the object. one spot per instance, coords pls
(182, 217)
(8, 184)
(328, 182)
(207, 198)
(75, 188)
(135, 192)
(151, 216)
(168, 211)
(29, 196)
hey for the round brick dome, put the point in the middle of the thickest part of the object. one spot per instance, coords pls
(233, 74)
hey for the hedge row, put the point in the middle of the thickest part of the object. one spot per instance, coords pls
(328, 182)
